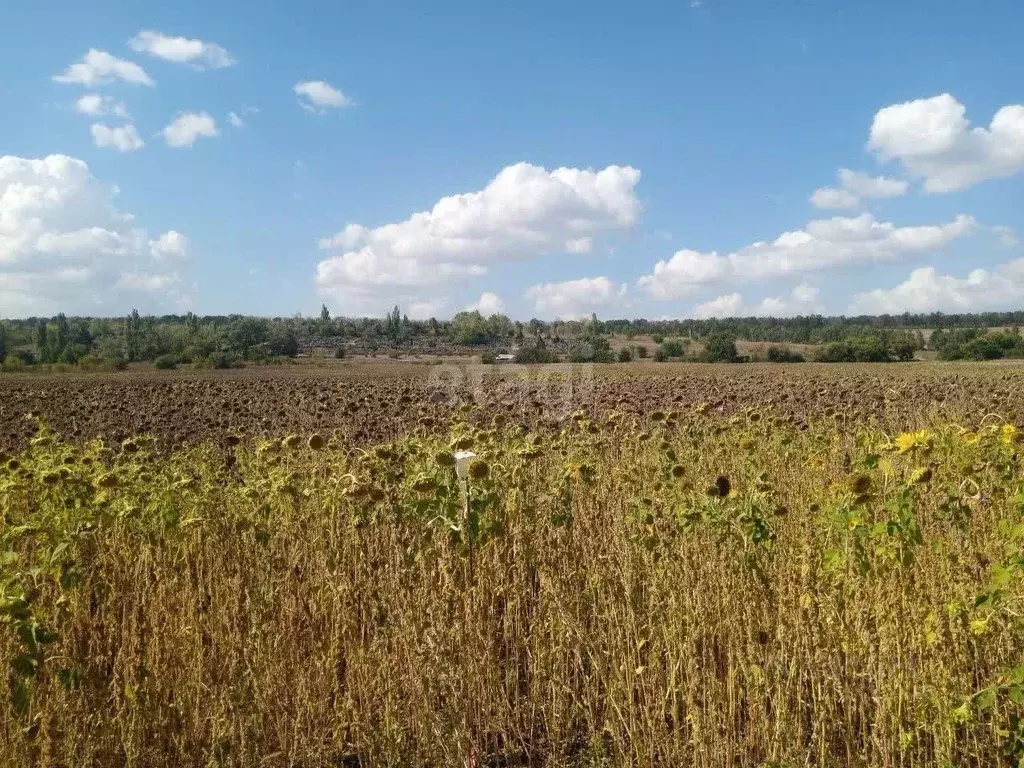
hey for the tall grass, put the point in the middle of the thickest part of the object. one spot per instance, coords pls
(674, 590)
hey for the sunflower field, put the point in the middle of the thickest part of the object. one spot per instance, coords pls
(675, 587)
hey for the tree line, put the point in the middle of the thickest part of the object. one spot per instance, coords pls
(220, 341)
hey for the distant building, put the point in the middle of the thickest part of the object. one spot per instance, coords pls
(506, 358)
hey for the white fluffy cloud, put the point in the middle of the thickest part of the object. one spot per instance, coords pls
(181, 50)
(100, 67)
(928, 291)
(424, 309)
(523, 212)
(803, 300)
(728, 305)
(97, 105)
(823, 244)
(574, 298)
(681, 275)
(170, 245)
(832, 197)
(855, 187)
(123, 138)
(488, 304)
(65, 246)
(1006, 235)
(317, 96)
(933, 140)
(189, 126)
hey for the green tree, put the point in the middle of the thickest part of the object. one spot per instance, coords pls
(469, 329)
(777, 354)
(3, 343)
(63, 334)
(325, 314)
(534, 353)
(133, 336)
(720, 347)
(283, 341)
(245, 334)
(42, 347)
(592, 349)
(672, 348)
(393, 323)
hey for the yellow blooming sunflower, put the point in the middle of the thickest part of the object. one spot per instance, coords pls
(1010, 434)
(912, 441)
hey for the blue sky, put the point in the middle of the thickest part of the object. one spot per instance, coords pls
(688, 133)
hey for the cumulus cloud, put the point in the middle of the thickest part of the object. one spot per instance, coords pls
(928, 291)
(728, 305)
(803, 300)
(831, 197)
(1006, 235)
(681, 275)
(524, 212)
(574, 298)
(317, 96)
(123, 138)
(933, 139)
(189, 126)
(170, 245)
(488, 304)
(97, 105)
(424, 309)
(99, 68)
(824, 243)
(64, 245)
(181, 50)
(855, 187)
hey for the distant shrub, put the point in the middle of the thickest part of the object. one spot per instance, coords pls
(640, 351)
(975, 344)
(592, 350)
(115, 362)
(339, 353)
(165, 363)
(719, 347)
(12, 364)
(672, 348)
(487, 358)
(625, 355)
(96, 363)
(660, 356)
(196, 352)
(657, 338)
(534, 354)
(871, 347)
(777, 354)
(219, 361)
(837, 352)
(72, 353)
(985, 348)
(283, 342)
